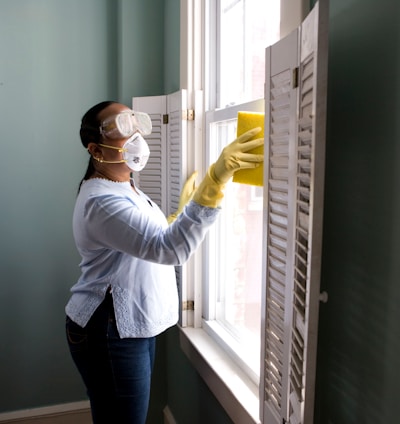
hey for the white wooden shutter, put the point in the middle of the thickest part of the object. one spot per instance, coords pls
(296, 74)
(176, 152)
(164, 175)
(176, 176)
(153, 178)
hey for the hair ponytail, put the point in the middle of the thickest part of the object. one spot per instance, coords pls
(90, 133)
(89, 172)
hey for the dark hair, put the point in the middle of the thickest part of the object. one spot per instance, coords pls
(90, 132)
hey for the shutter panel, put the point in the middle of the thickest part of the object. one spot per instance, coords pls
(164, 175)
(177, 174)
(294, 175)
(280, 125)
(309, 205)
(176, 152)
(153, 178)
(162, 178)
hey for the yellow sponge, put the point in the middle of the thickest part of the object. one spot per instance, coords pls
(246, 121)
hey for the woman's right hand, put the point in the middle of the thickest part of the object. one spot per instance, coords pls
(236, 156)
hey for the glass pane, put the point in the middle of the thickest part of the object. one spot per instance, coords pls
(240, 292)
(246, 28)
(238, 249)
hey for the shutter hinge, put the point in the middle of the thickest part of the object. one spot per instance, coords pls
(165, 119)
(295, 77)
(188, 115)
(188, 305)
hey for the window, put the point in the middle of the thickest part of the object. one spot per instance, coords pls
(232, 307)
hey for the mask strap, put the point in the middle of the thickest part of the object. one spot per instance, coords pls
(109, 161)
(120, 149)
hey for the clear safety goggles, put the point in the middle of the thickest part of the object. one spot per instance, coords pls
(125, 124)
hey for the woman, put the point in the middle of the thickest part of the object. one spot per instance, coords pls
(126, 294)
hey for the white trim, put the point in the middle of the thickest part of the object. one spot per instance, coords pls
(69, 409)
(237, 351)
(191, 80)
(191, 49)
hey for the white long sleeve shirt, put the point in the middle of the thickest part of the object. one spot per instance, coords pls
(126, 244)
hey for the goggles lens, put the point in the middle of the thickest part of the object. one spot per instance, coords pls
(126, 124)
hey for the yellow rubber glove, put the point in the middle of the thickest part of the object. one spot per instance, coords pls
(186, 195)
(233, 157)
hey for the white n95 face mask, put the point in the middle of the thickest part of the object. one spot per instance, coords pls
(135, 153)
(125, 124)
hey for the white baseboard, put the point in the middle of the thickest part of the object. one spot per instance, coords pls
(168, 417)
(68, 413)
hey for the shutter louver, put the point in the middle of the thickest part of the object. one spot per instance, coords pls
(277, 245)
(152, 180)
(151, 176)
(176, 171)
(175, 159)
(302, 234)
(281, 101)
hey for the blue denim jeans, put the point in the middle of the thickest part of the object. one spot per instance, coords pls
(116, 372)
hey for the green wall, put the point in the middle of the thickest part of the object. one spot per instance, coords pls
(141, 48)
(359, 351)
(189, 398)
(58, 58)
(172, 46)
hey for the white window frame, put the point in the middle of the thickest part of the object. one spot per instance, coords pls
(209, 61)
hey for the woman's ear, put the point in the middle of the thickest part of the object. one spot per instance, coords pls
(95, 151)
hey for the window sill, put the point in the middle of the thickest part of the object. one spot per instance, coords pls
(237, 394)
